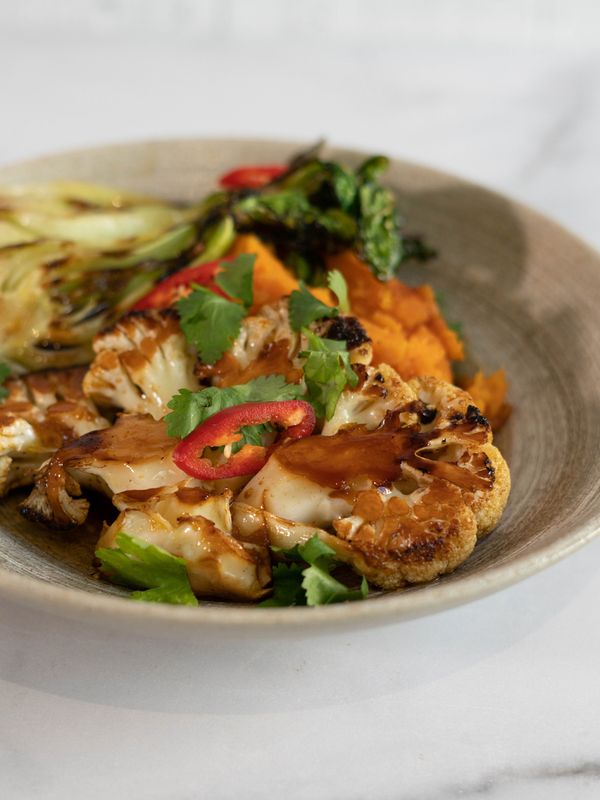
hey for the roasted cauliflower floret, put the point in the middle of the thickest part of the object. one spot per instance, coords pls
(452, 404)
(42, 411)
(140, 363)
(133, 456)
(380, 390)
(134, 453)
(267, 345)
(401, 483)
(217, 562)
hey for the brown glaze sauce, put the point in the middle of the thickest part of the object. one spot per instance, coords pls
(191, 495)
(273, 360)
(339, 461)
(133, 437)
(54, 424)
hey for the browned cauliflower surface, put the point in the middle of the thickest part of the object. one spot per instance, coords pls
(140, 363)
(42, 411)
(401, 483)
(267, 345)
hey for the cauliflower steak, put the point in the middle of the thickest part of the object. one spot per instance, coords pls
(401, 482)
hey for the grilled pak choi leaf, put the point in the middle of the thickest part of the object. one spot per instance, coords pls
(75, 256)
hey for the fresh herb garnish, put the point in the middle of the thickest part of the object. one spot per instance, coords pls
(4, 374)
(314, 585)
(190, 409)
(287, 586)
(136, 563)
(235, 278)
(337, 284)
(305, 308)
(327, 372)
(210, 322)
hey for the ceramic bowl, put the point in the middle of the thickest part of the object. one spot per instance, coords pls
(527, 294)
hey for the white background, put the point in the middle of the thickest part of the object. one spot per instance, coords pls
(500, 698)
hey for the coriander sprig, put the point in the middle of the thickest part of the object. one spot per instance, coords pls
(327, 372)
(210, 322)
(306, 579)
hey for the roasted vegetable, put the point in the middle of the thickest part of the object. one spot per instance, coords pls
(266, 345)
(73, 257)
(134, 454)
(225, 428)
(315, 208)
(196, 528)
(39, 413)
(140, 363)
(401, 487)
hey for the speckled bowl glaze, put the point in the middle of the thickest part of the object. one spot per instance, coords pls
(527, 293)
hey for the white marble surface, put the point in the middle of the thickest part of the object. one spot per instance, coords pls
(497, 699)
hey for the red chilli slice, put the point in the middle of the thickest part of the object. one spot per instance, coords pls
(251, 177)
(297, 417)
(177, 285)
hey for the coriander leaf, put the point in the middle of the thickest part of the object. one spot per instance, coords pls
(4, 374)
(270, 387)
(322, 588)
(287, 586)
(236, 278)
(253, 435)
(289, 553)
(312, 585)
(337, 284)
(327, 372)
(209, 322)
(316, 552)
(190, 409)
(304, 308)
(136, 563)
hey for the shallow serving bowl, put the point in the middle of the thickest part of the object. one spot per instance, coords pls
(527, 294)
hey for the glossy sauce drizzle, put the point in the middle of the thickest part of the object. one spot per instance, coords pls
(340, 460)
